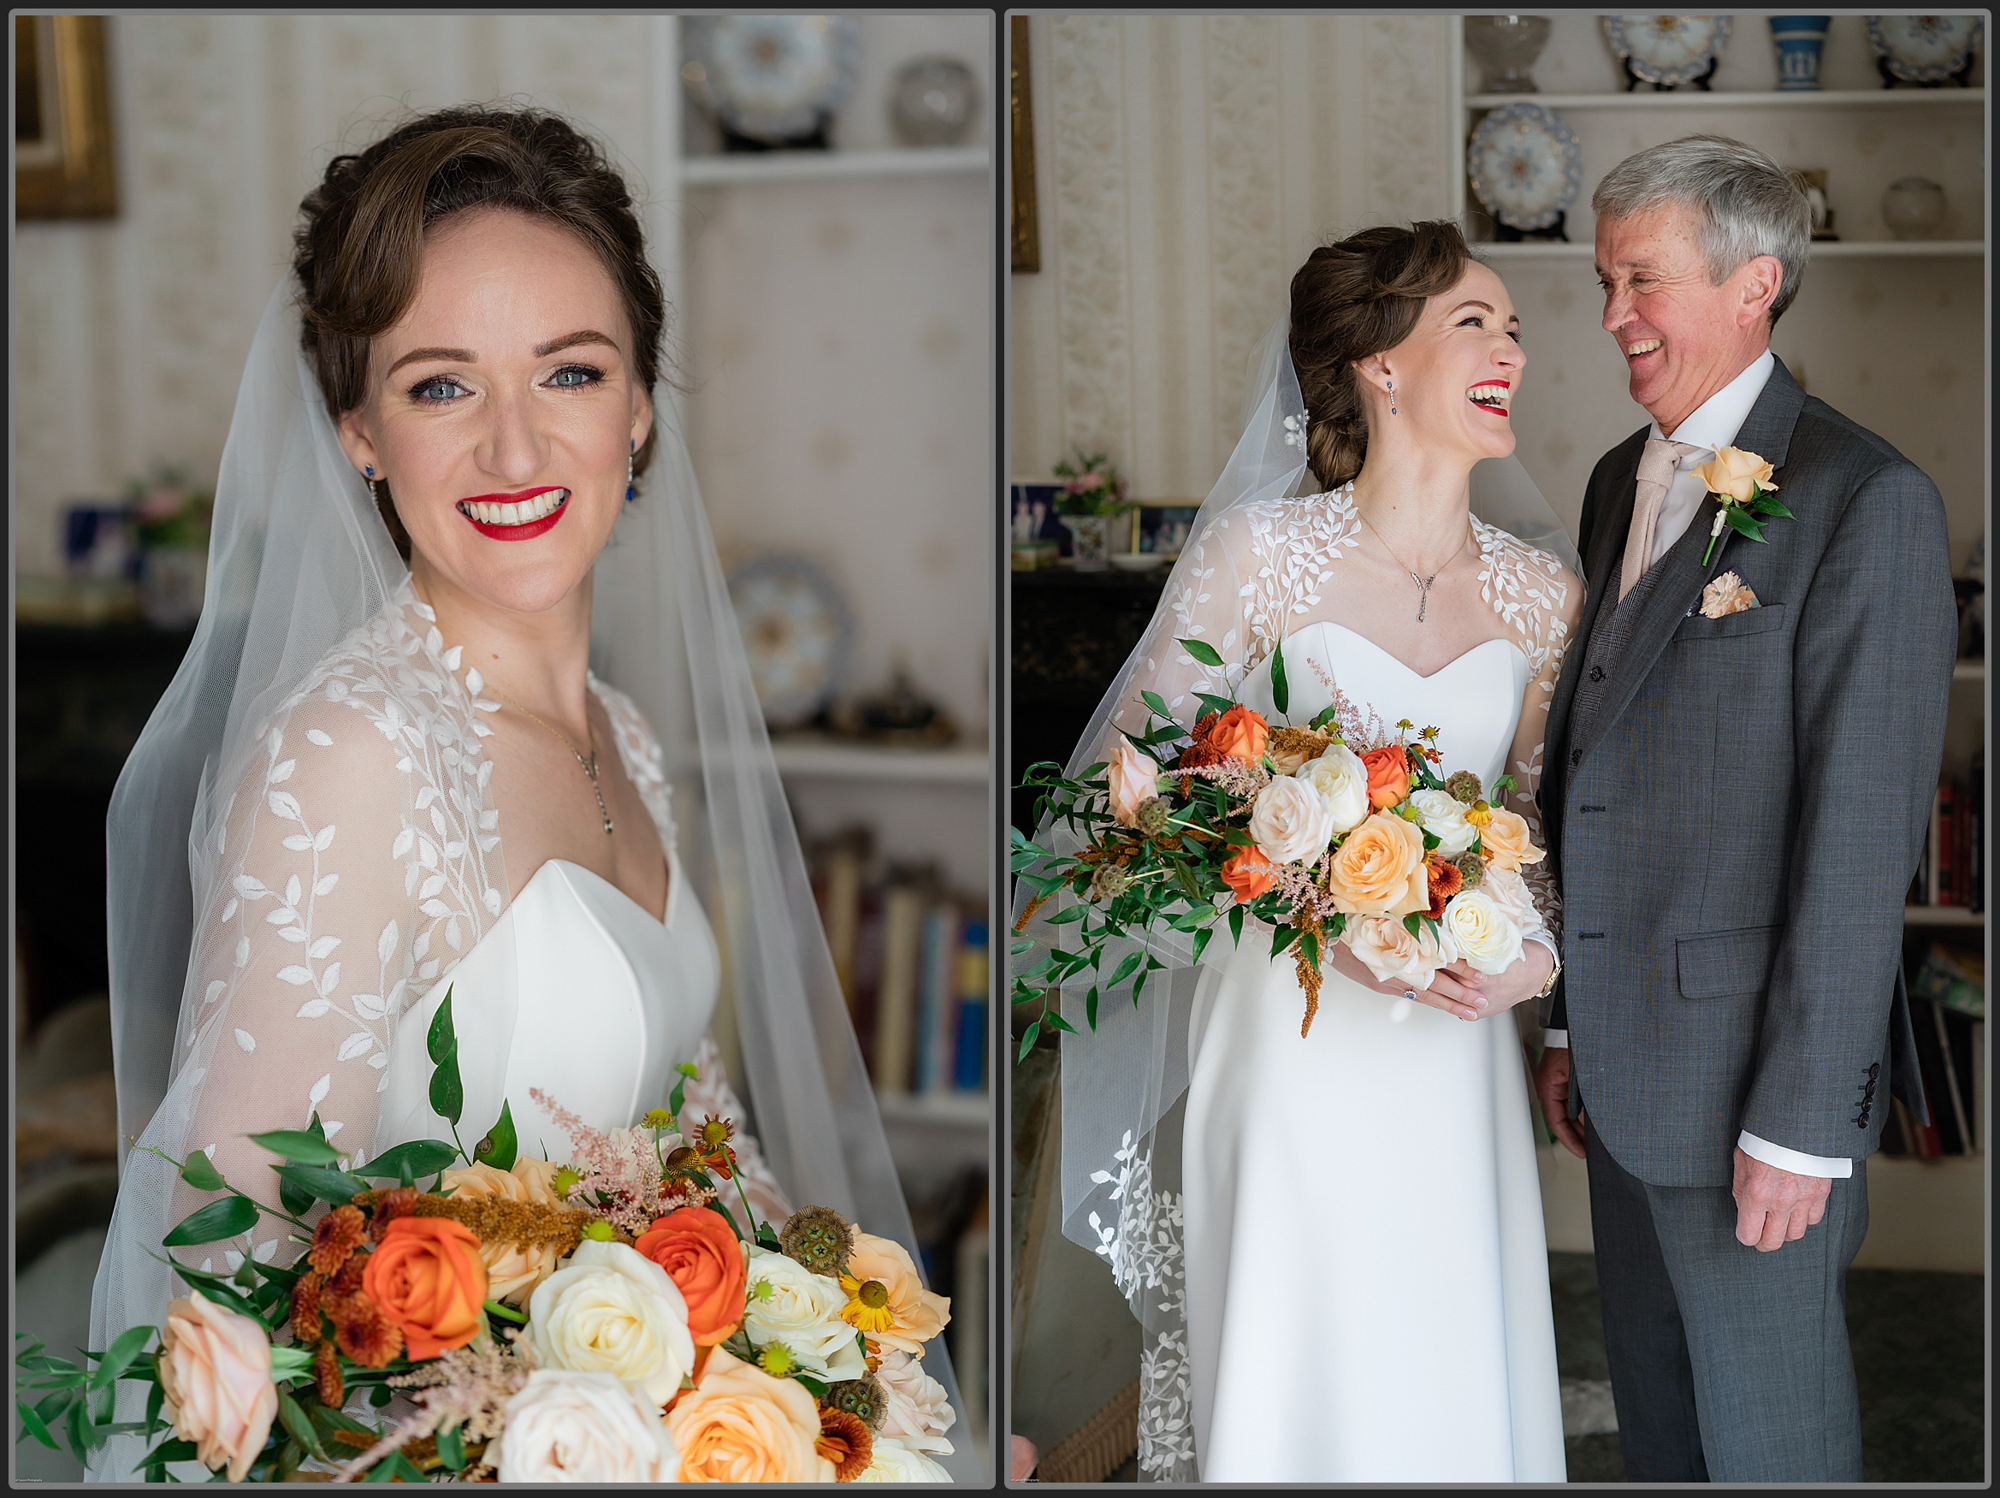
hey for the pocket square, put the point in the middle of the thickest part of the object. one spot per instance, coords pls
(1727, 594)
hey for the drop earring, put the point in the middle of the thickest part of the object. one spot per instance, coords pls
(631, 489)
(370, 471)
(1392, 397)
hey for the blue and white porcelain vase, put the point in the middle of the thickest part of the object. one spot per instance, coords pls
(1799, 40)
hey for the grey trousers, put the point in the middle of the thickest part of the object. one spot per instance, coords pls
(1727, 1364)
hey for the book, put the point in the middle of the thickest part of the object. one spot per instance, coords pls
(1944, 887)
(1956, 1093)
(1976, 833)
(1963, 1063)
(840, 912)
(1933, 851)
(896, 995)
(937, 999)
(1937, 1084)
(1923, 1138)
(968, 1073)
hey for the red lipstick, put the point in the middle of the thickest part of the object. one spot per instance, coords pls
(496, 530)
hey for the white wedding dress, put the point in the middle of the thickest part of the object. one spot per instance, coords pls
(1357, 1244)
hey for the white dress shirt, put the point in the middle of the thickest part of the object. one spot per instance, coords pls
(1714, 424)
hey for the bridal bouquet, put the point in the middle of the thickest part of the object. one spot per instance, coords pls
(1321, 839)
(608, 1319)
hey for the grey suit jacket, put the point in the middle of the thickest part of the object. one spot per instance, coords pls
(1736, 830)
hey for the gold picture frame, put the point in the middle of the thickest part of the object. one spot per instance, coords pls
(62, 119)
(1024, 231)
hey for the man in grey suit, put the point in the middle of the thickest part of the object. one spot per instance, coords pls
(1735, 803)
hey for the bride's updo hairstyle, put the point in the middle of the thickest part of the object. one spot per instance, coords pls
(359, 247)
(1361, 296)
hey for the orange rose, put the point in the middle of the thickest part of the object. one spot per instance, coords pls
(1380, 869)
(1388, 775)
(1249, 873)
(739, 1424)
(1240, 734)
(427, 1278)
(703, 1258)
(1506, 842)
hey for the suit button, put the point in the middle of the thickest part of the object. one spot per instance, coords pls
(1597, 673)
(1861, 1122)
(1875, 1069)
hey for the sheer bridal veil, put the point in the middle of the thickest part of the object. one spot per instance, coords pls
(299, 561)
(1121, 1195)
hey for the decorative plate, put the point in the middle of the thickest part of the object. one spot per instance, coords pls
(1526, 166)
(1668, 49)
(773, 79)
(796, 632)
(1924, 49)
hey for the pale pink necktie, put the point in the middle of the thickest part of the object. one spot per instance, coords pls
(1656, 473)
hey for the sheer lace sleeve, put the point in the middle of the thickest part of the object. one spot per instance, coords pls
(1539, 600)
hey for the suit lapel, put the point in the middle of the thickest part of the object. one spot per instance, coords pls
(1767, 430)
(1618, 498)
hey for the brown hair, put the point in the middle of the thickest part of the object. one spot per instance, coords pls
(1358, 297)
(359, 248)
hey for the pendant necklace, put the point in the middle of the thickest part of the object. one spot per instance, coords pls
(589, 765)
(1423, 583)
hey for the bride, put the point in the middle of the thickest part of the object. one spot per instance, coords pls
(1336, 1248)
(387, 769)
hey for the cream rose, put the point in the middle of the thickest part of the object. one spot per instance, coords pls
(1736, 473)
(566, 1426)
(1342, 782)
(893, 1461)
(1487, 938)
(788, 1303)
(1289, 821)
(1387, 950)
(1506, 841)
(1444, 819)
(1508, 890)
(512, 1269)
(917, 1414)
(215, 1368)
(1133, 777)
(613, 1310)
(1380, 869)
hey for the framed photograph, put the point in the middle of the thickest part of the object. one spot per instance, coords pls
(62, 119)
(1162, 525)
(1024, 231)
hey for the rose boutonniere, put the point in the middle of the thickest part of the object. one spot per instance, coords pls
(1742, 482)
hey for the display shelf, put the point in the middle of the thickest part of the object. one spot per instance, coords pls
(1942, 915)
(1888, 98)
(830, 759)
(944, 1110)
(799, 166)
(1972, 670)
(1831, 249)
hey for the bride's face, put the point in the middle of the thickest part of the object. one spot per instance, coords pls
(1457, 373)
(501, 409)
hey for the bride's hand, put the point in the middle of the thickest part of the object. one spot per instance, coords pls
(1524, 980)
(1455, 990)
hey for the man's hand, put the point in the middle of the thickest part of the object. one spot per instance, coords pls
(1552, 1086)
(1775, 1207)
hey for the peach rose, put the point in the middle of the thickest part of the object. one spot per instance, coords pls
(1506, 842)
(915, 1314)
(427, 1277)
(1736, 473)
(1388, 775)
(215, 1366)
(1134, 777)
(703, 1257)
(739, 1424)
(1380, 869)
(1290, 822)
(512, 1269)
(1249, 873)
(1387, 950)
(1240, 734)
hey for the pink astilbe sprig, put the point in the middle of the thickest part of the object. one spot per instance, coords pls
(620, 1174)
(466, 1386)
(1305, 890)
(1238, 777)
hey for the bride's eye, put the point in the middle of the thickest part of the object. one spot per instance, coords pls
(575, 377)
(436, 392)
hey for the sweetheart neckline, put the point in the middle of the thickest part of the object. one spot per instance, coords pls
(1412, 670)
(665, 923)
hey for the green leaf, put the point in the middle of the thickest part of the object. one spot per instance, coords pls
(1282, 937)
(199, 1172)
(1334, 926)
(1413, 925)
(216, 1221)
(298, 1147)
(447, 1096)
(293, 1199)
(1201, 940)
(214, 1286)
(32, 1425)
(425, 1156)
(451, 1448)
(331, 1186)
(1090, 1008)
(1281, 692)
(1743, 524)
(1310, 945)
(77, 1429)
(442, 1041)
(1157, 703)
(1214, 704)
(1126, 969)
(119, 1355)
(299, 1425)
(1203, 652)
(1060, 1023)
(393, 1466)
(1431, 840)
(155, 1402)
(1236, 925)
(500, 1145)
(1067, 916)
(1028, 1039)
(813, 1386)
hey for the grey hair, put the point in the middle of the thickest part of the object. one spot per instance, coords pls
(1746, 203)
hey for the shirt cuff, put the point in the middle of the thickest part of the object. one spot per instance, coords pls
(1798, 1164)
(1555, 1040)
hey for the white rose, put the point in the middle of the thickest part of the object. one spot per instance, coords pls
(1508, 890)
(916, 1413)
(1289, 821)
(1387, 950)
(1485, 935)
(1444, 819)
(1342, 782)
(802, 1310)
(566, 1426)
(892, 1461)
(613, 1310)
